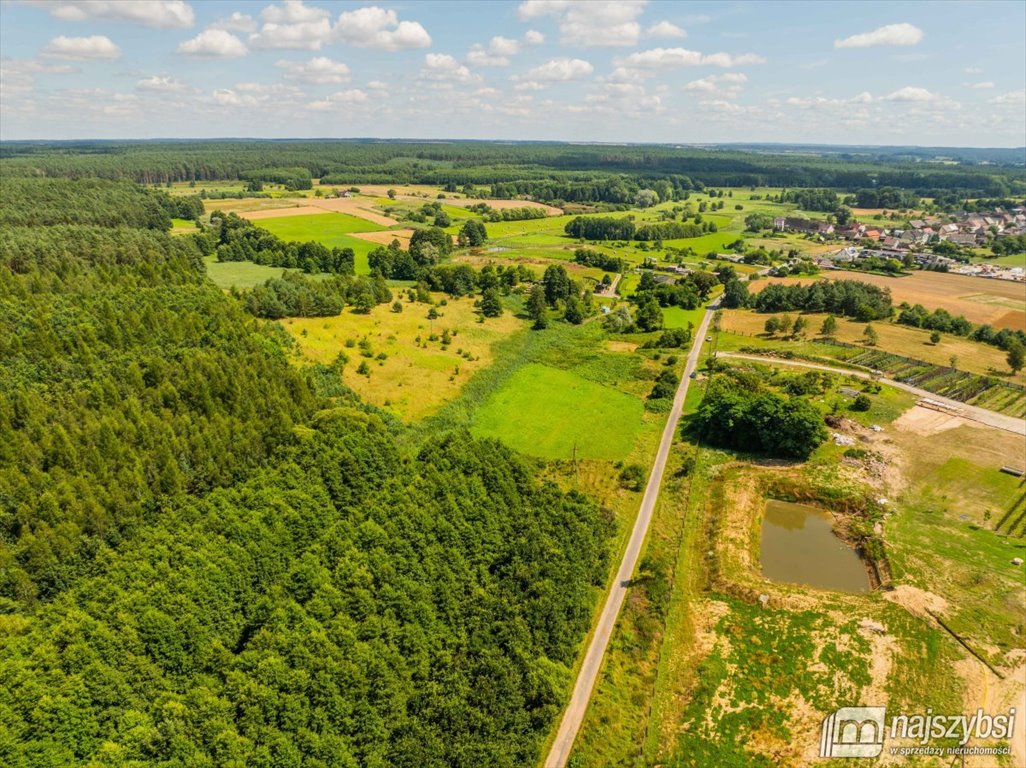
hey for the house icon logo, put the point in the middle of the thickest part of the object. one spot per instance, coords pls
(853, 732)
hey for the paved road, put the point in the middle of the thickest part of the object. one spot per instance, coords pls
(574, 714)
(970, 412)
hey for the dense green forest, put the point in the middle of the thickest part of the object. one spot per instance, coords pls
(544, 171)
(209, 556)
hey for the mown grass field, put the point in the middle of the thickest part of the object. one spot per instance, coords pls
(330, 229)
(242, 274)
(321, 227)
(556, 414)
(183, 227)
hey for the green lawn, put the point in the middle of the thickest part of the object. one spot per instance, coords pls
(183, 227)
(330, 229)
(239, 274)
(544, 411)
(322, 227)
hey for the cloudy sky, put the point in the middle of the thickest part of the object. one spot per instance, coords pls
(951, 73)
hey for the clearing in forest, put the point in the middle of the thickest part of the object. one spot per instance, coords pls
(545, 411)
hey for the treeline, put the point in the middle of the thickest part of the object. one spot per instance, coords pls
(237, 239)
(210, 556)
(294, 295)
(741, 412)
(419, 264)
(886, 197)
(291, 178)
(622, 228)
(47, 202)
(592, 258)
(941, 320)
(507, 214)
(812, 199)
(848, 298)
(1009, 245)
(428, 247)
(540, 171)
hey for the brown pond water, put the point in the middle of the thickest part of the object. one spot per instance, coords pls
(799, 547)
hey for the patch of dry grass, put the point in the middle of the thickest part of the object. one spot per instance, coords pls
(416, 377)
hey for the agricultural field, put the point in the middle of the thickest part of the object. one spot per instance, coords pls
(331, 229)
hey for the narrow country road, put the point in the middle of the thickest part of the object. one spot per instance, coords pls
(610, 290)
(970, 412)
(588, 674)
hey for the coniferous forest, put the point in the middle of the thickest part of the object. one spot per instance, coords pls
(209, 556)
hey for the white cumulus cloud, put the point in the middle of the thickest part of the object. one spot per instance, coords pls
(533, 37)
(495, 55)
(911, 93)
(727, 83)
(317, 71)
(443, 67)
(81, 48)
(213, 43)
(591, 24)
(561, 70)
(292, 12)
(164, 14)
(663, 58)
(160, 83)
(1014, 98)
(665, 29)
(374, 27)
(339, 99)
(892, 34)
(237, 22)
(985, 85)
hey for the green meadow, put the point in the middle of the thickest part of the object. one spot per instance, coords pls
(548, 412)
(241, 274)
(330, 229)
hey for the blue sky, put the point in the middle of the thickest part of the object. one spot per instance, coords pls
(950, 73)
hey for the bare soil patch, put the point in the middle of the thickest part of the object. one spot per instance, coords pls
(926, 421)
(916, 601)
(277, 213)
(387, 236)
(354, 206)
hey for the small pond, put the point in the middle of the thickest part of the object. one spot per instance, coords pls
(799, 547)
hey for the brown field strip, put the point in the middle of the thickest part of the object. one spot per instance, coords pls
(354, 206)
(387, 236)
